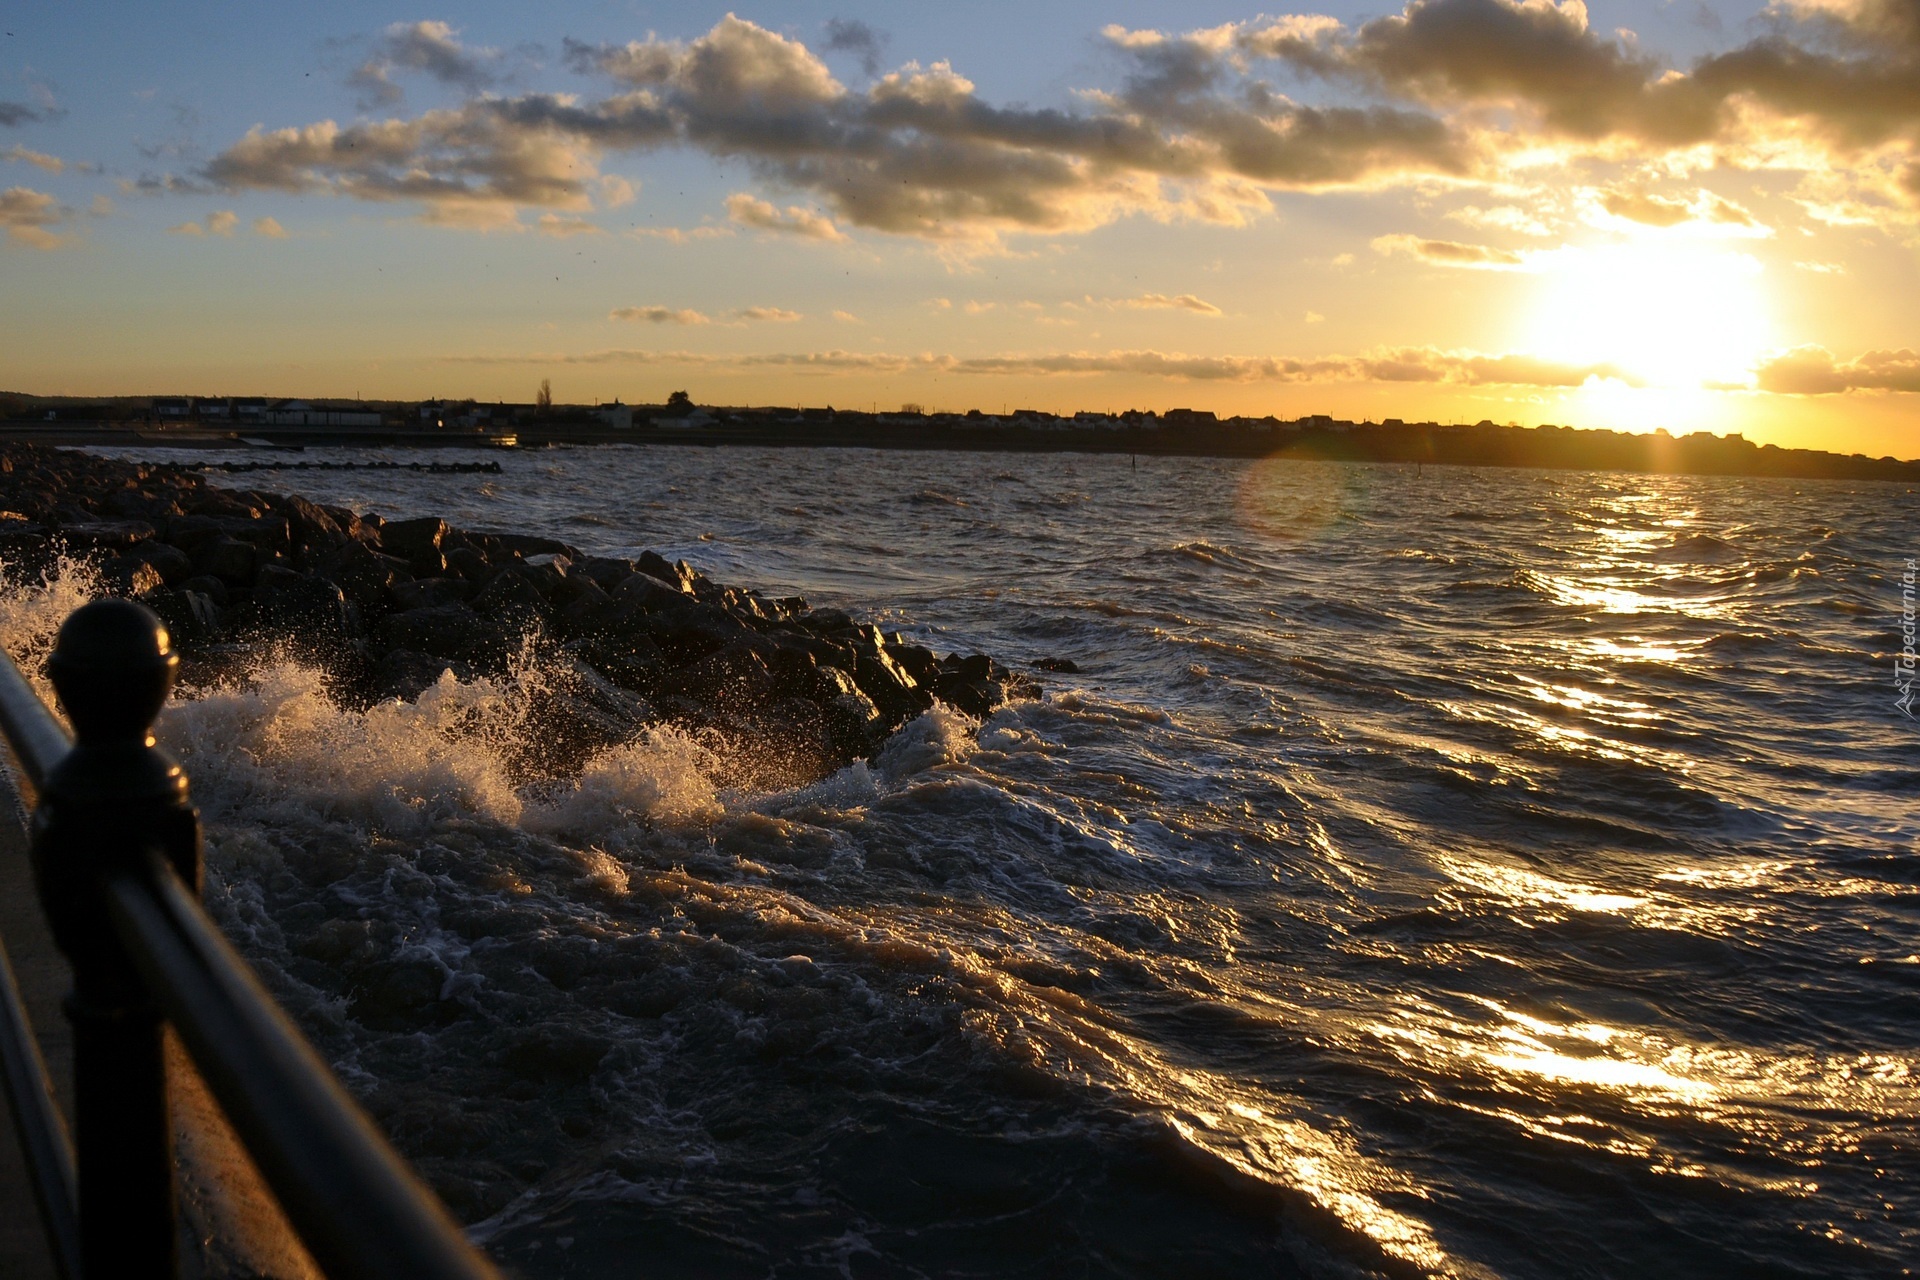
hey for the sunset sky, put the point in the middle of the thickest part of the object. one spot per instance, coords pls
(1692, 215)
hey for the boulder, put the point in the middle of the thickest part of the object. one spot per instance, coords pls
(429, 593)
(232, 561)
(172, 564)
(131, 577)
(417, 542)
(191, 618)
(303, 605)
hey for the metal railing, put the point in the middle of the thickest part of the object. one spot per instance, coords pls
(116, 859)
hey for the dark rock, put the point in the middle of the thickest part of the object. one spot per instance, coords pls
(511, 593)
(191, 617)
(171, 563)
(131, 577)
(470, 564)
(429, 593)
(105, 535)
(303, 605)
(1065, 666)
(526, 544)
(363, 575)
(210, 587)
(734, 679)
(444, 631)
(232, 561)
(417, 542)
(630, 659)
(404, 674)
(605, 572)
(917, 660)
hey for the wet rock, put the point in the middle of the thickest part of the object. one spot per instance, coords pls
(430, 593)
(417, 542)
(104, 535)
(606, 572)
(172, 564)
(232, 561)
(470, 563)
(131, 577)
(191, 617)
(365, 576)
(404, 674)
(302, 605)
(526, 544)
(733, 679)
(1064, 666)
(210, 587)
(916, 660)
(511, 593)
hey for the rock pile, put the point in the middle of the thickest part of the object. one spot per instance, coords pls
(386, 606)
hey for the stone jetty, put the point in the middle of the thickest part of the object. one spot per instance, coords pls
(385, 607)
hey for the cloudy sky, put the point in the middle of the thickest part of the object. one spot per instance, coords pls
(1694, 214)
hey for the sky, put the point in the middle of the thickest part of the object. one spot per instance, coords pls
(1694, 214)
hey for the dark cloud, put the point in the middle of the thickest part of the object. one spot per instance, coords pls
(850, 35)
(1846, 70)
(919, 153)
(432, 48)
(14, 114)
(1813, 371)
(1449, 253)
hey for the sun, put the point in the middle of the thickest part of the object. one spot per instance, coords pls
(1667, 313)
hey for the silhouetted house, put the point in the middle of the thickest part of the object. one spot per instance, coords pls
(218, 409)
(249, 409)
(301, 413)
(172, 408)
(616, 415)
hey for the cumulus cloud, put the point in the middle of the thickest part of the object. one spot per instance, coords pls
(1665, 211)
(918, 153)
(269, 228)
(1443, 90)
(777, 315)
(432, 48)
(38, 159)
(1449, 253)
(221, 222)
(660, 315)
(1814, 371)
(1408, 364)
(29, 215)
(1835, 74)
(750, 211)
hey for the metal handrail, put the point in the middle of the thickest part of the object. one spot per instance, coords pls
(116, 853)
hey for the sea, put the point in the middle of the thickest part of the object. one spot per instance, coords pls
(1423, 872)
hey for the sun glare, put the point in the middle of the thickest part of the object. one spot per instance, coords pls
(1667, 313)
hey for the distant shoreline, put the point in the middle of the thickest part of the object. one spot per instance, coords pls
(1482, 445)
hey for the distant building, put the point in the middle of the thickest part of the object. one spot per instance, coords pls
(172, 407)
(616, 415)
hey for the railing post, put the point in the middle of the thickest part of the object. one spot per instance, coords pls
(115, 797)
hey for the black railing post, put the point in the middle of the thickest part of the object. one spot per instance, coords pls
(115, 799)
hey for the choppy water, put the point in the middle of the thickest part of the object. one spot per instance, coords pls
(1475, 872)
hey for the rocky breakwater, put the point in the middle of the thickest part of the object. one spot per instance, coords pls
(785, 693)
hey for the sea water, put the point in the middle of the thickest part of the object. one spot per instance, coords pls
(1441, 871)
